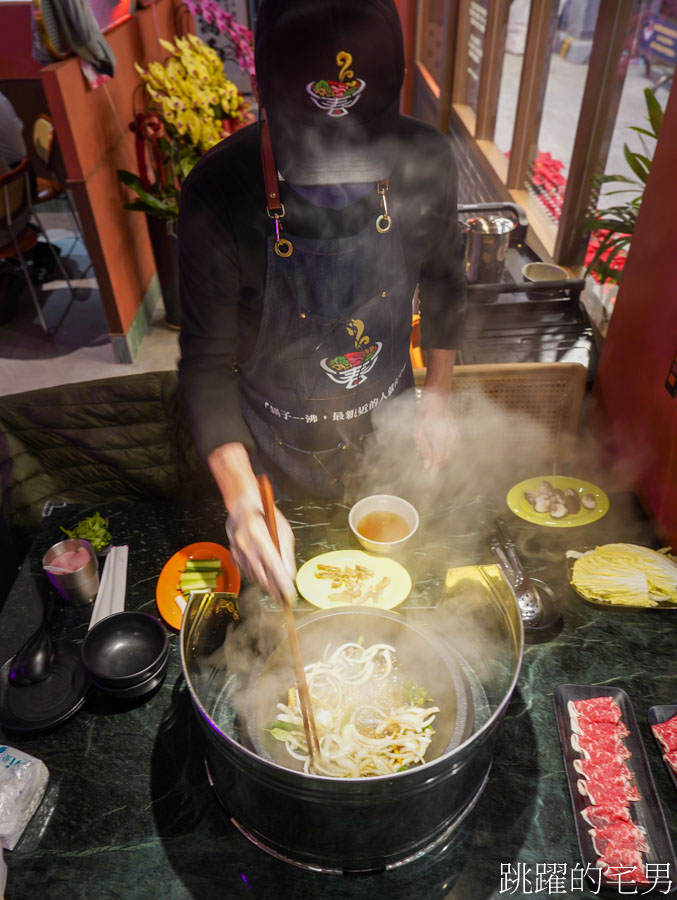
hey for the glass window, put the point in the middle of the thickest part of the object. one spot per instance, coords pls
(511, 73)
(649, 62)
(561, 107)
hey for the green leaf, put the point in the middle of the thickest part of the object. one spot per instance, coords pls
(641, 131)
(654, 110)
(608, 179)
(645, 160)
(164, 213)
(148, 198)
(635, 163)
(131, 179)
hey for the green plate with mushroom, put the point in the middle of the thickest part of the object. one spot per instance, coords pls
(558, 501)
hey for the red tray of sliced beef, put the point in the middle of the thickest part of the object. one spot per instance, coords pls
(619, 820)
(663, 722)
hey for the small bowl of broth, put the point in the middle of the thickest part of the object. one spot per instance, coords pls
(383, 523)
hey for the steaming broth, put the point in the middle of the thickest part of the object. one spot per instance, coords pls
(385, 527)
(369, 719)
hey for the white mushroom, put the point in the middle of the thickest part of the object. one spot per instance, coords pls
(588, 501)
(545, 488)
(558, 510)
(542, 503)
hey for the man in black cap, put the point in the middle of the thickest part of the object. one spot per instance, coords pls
(302, 240)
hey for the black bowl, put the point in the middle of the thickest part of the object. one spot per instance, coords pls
(144, 687)
(125, 649)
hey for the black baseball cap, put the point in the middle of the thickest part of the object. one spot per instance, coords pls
(329, 75)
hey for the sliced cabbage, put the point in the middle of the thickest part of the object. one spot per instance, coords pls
(625, 574)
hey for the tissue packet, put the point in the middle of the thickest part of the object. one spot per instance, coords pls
(23, 780)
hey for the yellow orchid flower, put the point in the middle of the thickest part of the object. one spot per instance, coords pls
(170, 48)
(182, 44)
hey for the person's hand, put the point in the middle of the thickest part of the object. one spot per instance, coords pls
(435, 431)
(255, 554)
(251, 546)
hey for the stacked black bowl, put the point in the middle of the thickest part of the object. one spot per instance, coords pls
(126, 654)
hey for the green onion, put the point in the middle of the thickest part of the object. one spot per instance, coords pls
(93, 529)
(201, 565)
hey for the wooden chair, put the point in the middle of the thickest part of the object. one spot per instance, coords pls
(16, 212)
(46, 189)
(525, 415)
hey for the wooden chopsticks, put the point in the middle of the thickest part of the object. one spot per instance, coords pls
(268, 500)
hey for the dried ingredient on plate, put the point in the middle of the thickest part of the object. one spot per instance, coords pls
(625, 574)
(348, 577)
(353, 582)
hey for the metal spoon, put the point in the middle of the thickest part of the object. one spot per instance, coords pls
(33, 661)
(526, 594)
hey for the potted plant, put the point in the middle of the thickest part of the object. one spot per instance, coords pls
(611, 228)
(190, 107)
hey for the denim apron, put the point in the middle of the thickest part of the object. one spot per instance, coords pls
(333, 344)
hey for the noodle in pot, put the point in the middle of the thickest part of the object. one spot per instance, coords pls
(368, 723)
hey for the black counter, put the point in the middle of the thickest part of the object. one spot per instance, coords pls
(129, 813)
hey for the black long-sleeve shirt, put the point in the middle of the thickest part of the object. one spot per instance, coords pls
(223, 228)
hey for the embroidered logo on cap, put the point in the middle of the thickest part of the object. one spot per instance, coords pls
(335, 97)
(351, 368)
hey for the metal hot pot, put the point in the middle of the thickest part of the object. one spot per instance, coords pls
(466, 651)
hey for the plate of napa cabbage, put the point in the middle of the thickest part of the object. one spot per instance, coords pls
(624, 576)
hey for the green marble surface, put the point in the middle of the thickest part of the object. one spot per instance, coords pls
(129, 812)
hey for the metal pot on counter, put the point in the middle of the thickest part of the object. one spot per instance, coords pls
(466, 652)
(488, 233)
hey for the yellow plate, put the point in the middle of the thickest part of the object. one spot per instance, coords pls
(317, 590)
(519, 504)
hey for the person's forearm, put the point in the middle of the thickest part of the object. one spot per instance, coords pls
(440, 369)
(234, 476)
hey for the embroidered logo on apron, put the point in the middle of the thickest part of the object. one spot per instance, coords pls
(351, 368)
(335, 97)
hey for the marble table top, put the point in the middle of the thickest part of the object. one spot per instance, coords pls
(129, 813)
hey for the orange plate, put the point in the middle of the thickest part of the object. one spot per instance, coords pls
(167, 584)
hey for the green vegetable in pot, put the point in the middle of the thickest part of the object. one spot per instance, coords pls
(93, 529)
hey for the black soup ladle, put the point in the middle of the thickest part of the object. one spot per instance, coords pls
(33, 662)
